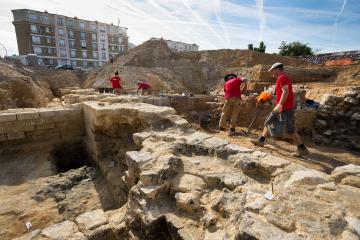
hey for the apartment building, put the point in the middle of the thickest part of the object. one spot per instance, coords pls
(58, 39)
(179, 46)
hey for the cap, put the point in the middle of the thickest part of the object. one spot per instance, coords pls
(227, 76)
(276, 65)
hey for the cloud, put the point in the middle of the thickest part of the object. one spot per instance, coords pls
(262, 19)
(212, 24)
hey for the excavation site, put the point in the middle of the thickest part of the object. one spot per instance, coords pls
(79, 162)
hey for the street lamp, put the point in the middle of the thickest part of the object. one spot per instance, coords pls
(4, 49)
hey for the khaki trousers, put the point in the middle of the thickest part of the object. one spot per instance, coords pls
(230, 108)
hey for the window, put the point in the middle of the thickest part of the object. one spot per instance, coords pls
(48, 40)
(71, 44)
(95, 64)
(35, 39)
(102, 28)
(85, 64)
(70, 23)
(40, 61)
(73, 53)
(102, 37)
(34, 29)
(33, 17)
(84, 54)
(71, 34)
(37, 50)
(50, 52)
(73, 63)
(63, 61)
(46, 19)
(93, 37)
(62, 52)
(61, 42)
(121, 40)
(61, 31)
(47, 29)
(94, 46)
(83, 44)
(95, 55)
(60, 21)
(93, 27)
(82, 35)
(103, 46)
(121, 49)
(103, 55)
(82, 25)
(51, 61)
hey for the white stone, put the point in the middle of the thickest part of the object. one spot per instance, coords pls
(7, 117)
(353, 224)
(344, 171)
(91, 220)
(269, 164)
(187, 183)
(187, 201)
(307, 177)
(60, 231)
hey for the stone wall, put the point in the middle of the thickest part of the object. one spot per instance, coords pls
(338, 120)
(29, 125)
(322, 58)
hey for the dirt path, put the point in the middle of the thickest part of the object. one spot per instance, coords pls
(322, 158)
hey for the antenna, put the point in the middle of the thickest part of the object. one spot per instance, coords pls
(118, 22)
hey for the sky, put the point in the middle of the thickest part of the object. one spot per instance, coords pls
(326, 25)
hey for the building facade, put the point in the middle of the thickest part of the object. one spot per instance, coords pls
(179, 46)
(58, 39)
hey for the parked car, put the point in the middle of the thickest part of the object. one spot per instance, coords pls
(51, 66)
(65, 67)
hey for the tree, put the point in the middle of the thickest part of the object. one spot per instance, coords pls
(261, 48)
(295, 49)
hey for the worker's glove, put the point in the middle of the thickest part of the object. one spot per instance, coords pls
(277, 108)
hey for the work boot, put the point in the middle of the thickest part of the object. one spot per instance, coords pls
(259, 142)
(301, 152)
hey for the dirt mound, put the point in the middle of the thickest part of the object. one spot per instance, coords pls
(195, 72)
(23, 87)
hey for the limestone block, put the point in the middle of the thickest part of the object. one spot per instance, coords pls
(270, 164)
(307, 177)
(187, 183)
(27, 115)
(91, 220)
(117, 220)
(7, 117)
(60, 231)
(344, 171)
(138, 138)
(45, 126)
(30, 236)
(135, 161)
(197, 137)
(15, 135)
(187, 201)
(209, 219)
(353, 224)
(348, 235)
(214, 143)
(150, 192)
(233, 180)
(235, 149)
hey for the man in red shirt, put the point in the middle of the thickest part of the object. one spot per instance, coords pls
(285, 105)
(232, 89)
(116, 83)
(144, 86)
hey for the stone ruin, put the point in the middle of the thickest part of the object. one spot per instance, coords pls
(338, 120)
(172, 182)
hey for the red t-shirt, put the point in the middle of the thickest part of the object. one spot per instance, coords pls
(144, 86)
(283, 80)
(115, 82)
(232, 88)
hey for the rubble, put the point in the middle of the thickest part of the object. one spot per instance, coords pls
(337, 122)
